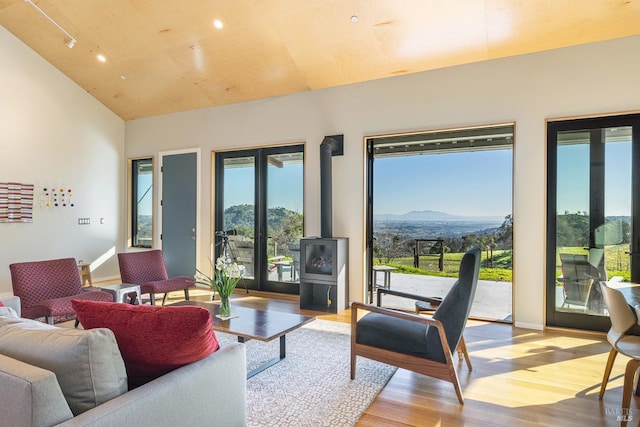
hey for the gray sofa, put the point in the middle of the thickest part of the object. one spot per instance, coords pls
(208, 392)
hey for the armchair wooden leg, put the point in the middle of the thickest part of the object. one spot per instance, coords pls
(629, 376)
(607, 371)
(354, 323)
(152, 298)
(462, 352)
(186, 294)
(164, 298)
(353, 365)
(456, 385)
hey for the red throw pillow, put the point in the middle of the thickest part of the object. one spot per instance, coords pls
(1, 304)
(152, 340)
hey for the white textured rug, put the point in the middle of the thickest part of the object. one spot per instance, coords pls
(311, 386)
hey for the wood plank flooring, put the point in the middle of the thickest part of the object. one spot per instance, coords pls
(520, 377)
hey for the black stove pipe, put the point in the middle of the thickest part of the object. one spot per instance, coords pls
(327, 147)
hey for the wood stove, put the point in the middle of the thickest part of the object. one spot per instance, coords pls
(323, 260)
(323, 274)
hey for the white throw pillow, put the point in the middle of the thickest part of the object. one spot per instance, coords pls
(87, 364)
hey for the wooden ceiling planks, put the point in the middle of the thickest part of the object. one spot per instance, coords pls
(175, 60)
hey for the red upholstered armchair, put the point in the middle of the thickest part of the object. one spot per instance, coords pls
(148, 270)
(46, 288)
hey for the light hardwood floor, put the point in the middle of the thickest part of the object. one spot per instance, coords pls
(520, 377)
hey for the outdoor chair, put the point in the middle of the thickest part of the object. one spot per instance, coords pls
(578, 277)
(242, 250)
(418, 343)
(46, 288)
(294, 251)
(148, 270)
(622, 319)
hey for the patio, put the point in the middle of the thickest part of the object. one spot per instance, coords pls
(493, 300)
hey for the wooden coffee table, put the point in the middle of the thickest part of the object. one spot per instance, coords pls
(251, 323)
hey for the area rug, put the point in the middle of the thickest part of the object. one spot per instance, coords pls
(311, 386)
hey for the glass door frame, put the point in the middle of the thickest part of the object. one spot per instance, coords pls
(260, 281)
(443, 141)
(596, 208)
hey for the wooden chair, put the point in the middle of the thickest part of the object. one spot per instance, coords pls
(622, 319)
(418, 343)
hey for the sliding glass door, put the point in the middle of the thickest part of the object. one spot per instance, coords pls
(431, 196)
(593, 197)
(259, 209)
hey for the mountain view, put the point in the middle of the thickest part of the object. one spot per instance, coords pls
(428, 215)
(429, 224)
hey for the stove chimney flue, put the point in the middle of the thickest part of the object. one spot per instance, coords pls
(330, 146)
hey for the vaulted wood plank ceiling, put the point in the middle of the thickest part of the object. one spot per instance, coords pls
(164, 56)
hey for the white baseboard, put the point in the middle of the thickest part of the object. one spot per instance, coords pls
(105, 279)
(524, 325)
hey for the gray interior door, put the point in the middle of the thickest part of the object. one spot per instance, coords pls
(178, 203)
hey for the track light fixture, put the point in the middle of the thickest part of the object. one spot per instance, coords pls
(72, 42)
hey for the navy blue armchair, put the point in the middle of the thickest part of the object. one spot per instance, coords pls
(418, 343)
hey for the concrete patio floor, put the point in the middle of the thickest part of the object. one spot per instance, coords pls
(492, 301)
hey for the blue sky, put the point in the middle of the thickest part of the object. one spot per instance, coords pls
(470, 183)
(479, 183)
(284, 186)
(144, 183)
(573, 178)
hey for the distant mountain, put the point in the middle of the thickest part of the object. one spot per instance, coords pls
(428, 215)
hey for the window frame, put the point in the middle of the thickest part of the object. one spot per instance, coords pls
(576, 319)
(132, 212)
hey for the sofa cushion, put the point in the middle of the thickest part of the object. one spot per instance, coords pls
(30, 396)
(153, 340)
(87, 364)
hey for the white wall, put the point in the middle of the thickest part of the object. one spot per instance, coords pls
(588, 79)
(53, 133)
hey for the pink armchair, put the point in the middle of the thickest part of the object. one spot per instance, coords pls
(148, 270)
(46, 288)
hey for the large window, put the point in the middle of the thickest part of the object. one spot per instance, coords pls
(141, 203)
(433, 195)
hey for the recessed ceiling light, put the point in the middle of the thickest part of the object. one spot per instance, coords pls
(218, 24)
(355, 19)
(101, 58)
(123, 77)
